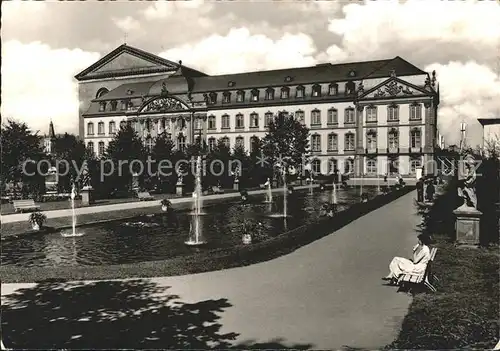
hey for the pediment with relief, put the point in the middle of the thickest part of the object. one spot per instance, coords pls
(163, 104)
(125, 60)
(393, 88)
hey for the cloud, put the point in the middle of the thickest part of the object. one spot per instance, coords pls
(460, 40)
(37, 84)
(240, 51)
(164, 9)
(127, 24)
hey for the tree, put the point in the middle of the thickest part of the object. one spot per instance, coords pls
(127, 147)
(163, 150)
(217, 162)
(19, 144)
(287, 141)
(73, 151)
(241, 156)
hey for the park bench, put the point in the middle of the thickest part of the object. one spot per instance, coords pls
(144, 196)
(421, 279)
(22, 205)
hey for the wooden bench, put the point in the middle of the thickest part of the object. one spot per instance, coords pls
(144, 196)
(22, 205)
(421, 279)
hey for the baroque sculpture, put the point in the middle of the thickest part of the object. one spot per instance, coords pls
(467, 184)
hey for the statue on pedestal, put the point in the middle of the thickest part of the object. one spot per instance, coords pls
(467, 182)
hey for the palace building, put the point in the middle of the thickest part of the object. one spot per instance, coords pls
(373, 117)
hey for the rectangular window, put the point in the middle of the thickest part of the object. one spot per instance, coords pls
(284, 93)
(349, 115)
(393, 141)
(371, 166)
(112, 128)
(254, 120)
(226, 97)
(316, 117)
(240, 142)
(211, 144)
(393, 113)
(332, 142)
(316, 143)
(332, 116)
(90, 129)
(371, 114)
(270, 94)
(239, 121)
(211, 122)
(371, 141)
(349, 142)
(333, 89)
(415, 112)
(415, 139)
(300, 92)
(101, 148)
(268, 119)
(414, 164)
(100, 128)
(240, 96)
(225, 122)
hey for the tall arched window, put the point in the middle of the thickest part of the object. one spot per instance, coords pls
(112, 127)
(349, 141)
(332, 165)
(316, 142)
(254, 144)
(254, 120)
(211, 122)
(349, 115)
(393, 139)
(240, 142)
(393, 112)
(225, 141)
(333, 117)
(90, 128)
(371, 140)
(90, 146)
(371, 114)
(371, 166)
(212, 143)
(315, 117)
(415, 112)
(333, 142)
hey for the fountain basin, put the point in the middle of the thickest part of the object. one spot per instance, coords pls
(71, 235)
(278, 215)
(194, 243)
(192, 213)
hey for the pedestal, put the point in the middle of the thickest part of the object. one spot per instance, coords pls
(87, 196)
(236, 185)
(467, 225)
(135, 182)
(179, 189)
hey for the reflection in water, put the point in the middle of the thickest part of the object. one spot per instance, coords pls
(150, 238)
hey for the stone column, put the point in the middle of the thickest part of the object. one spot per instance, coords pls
(359, 141)
(190, 129)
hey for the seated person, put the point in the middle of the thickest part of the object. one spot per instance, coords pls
(417, 265)
(327, 209)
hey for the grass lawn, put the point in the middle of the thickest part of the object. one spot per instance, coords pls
(464, 312)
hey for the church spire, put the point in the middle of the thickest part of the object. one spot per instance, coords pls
(52, 134)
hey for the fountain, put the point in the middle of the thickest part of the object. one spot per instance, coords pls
(195, 229)
(311, 184)
(285, 200)
(269, 192)
(73, 233)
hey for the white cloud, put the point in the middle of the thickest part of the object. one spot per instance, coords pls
(240, 51)
(468, 91)
(127, 24)
(165, 9)
(37, 84)
(459, 39)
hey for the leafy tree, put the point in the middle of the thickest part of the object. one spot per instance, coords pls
(286, 142)
(239, 154)
(163, 150)
(258, 170)
(19, 144)
(73, 151)
(217, 162)
(126, 147)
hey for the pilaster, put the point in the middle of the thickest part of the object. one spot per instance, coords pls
(359, 160)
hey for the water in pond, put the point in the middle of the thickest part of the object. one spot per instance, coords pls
(155, 237)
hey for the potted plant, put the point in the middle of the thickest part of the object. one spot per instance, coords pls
(37, 219)
(165, 205)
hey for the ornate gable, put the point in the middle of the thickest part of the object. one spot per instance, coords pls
(393, 88)
(163, 104)
(126, 60)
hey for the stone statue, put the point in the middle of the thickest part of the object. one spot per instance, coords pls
(467, 182)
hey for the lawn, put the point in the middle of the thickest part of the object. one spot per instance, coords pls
(464, 312)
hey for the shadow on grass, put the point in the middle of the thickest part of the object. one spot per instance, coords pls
(114, 315)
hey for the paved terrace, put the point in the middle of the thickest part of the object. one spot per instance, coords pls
(328, 294)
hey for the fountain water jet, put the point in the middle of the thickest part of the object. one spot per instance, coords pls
(73, 216)
(195, 229)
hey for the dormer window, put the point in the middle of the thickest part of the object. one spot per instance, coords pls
(285, 92)
(316, 90)
(240, 96)
(130, 92)
(226, 97)
(230, 84)
(114, 105)
(102, 106)
(333, 89)
(130, 105)
(255, 95)
(288, 79)
(269, 94)
(300, 92)
(212, 97)
(124, 105)
(352, 73)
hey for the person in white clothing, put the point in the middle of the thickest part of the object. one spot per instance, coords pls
(417, 265)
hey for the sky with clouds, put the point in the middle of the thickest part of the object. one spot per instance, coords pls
(44, 44)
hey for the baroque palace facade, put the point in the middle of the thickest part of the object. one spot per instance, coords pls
(373, 117)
